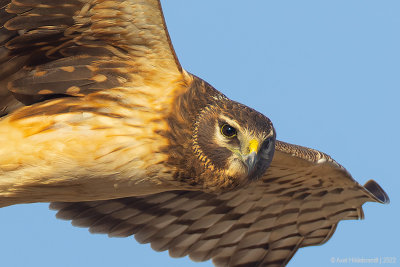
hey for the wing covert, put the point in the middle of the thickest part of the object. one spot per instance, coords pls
(77, 47)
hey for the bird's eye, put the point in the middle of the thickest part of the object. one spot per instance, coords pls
(228, 131)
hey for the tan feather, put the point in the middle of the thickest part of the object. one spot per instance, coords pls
(120, 74)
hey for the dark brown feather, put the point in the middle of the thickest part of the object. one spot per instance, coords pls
(263, 224)
(74, 48)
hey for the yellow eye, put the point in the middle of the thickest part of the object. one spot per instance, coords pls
(228, 131)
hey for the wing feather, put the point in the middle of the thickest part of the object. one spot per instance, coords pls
(78, 47)
(297, 203)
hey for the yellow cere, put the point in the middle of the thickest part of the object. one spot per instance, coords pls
(253, 146)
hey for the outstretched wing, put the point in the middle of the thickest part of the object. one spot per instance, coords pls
(75, 47)
(297, 203)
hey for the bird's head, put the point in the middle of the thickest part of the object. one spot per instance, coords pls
(233, 142)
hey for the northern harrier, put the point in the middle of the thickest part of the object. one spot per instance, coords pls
(99, 118)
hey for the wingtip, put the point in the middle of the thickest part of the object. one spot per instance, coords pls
(377, 191)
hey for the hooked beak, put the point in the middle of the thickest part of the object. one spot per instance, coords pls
(259, 157)
(251, 161)
(251, 158)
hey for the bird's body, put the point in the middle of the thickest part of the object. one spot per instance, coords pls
(103, 94)
(95, 107)
(77, 134)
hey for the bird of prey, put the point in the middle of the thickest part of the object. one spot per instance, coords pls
(99, 118)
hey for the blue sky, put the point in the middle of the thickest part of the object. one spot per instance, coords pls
(325, 72)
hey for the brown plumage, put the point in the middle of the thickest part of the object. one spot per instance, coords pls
(297, 203)
(99, 116)
(107, 97)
